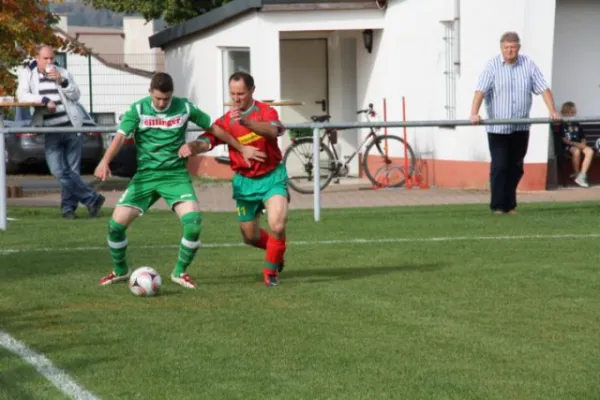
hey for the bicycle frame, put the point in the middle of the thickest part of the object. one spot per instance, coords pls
(370, 136)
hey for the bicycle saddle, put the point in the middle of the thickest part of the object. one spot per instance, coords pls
(320, 118)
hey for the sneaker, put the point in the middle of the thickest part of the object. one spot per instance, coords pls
(69, 215)
(271, 280)
(573, 175)
(184, 280)
(581, 180)
(95, 209)
(114, 278)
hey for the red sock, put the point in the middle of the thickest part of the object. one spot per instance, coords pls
(274, 256)
(264, 238)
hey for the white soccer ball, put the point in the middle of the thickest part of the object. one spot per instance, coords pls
(145, 281)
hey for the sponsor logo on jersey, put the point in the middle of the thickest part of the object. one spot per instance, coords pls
(151, 121)
(249, 138)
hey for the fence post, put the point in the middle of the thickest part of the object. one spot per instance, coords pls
(90, 81)
(317, 169)
(3, 219)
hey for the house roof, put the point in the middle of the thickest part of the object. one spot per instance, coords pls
(118, 66)
(236, 8)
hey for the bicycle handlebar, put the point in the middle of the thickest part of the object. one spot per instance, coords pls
(366, 110)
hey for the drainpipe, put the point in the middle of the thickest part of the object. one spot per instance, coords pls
(457, 37)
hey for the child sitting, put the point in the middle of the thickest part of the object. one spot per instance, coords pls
(573, 139)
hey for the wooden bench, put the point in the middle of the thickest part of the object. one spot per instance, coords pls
(592, 135)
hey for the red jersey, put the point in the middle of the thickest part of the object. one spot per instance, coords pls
(258, 112)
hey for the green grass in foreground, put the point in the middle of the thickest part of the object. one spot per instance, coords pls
(454, 319)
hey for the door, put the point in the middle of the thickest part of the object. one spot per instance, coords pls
(303, 65)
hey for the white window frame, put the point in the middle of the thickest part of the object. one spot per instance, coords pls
(227, 69)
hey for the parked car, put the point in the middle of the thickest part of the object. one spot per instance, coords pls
(125, 162)
(27, 148)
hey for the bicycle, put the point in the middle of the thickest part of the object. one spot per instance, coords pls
(332, 167)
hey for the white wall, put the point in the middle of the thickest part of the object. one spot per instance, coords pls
(409, 61)
(113, 90)
(577, 57)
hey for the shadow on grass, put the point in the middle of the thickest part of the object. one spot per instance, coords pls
(314, 275)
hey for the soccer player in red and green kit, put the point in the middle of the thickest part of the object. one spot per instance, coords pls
(262, 184)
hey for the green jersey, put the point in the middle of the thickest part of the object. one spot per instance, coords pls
(159, 134)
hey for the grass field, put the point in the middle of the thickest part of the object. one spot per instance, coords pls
(493, 308)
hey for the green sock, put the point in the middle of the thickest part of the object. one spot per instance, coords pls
(190, 242)
(117, 243)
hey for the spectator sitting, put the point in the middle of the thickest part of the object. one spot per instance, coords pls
(573, 139)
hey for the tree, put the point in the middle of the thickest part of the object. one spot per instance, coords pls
(23, 25)
(173, 12)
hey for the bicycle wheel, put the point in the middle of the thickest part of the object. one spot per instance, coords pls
(378, 166)
(298, 160)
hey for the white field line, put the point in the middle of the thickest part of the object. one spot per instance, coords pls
(321, 242)
(57, 377)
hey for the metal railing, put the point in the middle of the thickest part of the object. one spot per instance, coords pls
(316, 127)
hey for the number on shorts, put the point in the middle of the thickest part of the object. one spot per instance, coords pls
(241, 211)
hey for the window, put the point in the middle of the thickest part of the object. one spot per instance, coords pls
(450, 70)
(60, 59)
(234, 60)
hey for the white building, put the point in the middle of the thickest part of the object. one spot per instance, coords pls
(429, 52)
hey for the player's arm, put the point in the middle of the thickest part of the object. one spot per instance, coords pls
(270, 127)
(205, 142)
(127, 127)
(222, 136)
(215, 130)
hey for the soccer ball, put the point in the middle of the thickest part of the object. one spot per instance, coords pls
(145, 281)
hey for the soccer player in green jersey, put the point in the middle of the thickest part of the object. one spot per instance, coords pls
(158, 124)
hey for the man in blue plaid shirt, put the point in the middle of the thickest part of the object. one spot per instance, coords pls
(507, 84)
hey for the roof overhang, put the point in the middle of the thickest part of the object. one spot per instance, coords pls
(237, 8)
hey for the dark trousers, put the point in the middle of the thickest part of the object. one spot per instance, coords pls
(508, 152)
(63, 156)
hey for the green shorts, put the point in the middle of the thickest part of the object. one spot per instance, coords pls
(250, 194)
(145, 189)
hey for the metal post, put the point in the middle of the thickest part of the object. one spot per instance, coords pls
(3, 223)
(90, 81)
(317, 170)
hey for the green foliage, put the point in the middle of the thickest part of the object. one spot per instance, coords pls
(171, 11)
(23, 25)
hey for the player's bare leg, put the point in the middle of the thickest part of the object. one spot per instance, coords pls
(122, 217)
(253, 234)
(189, 214)
(277, 209)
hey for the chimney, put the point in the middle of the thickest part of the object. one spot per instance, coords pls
(63, 22)
(138, 53)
